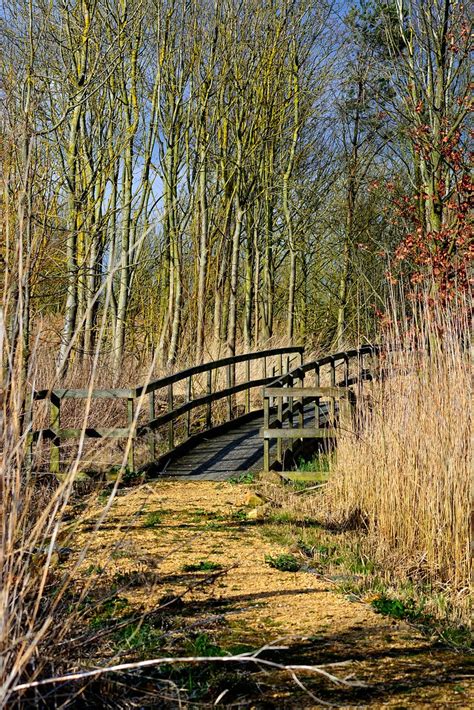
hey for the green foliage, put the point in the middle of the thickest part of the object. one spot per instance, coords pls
(202, 566)
(239, 515)
(399, 609)
(285, 562)
(94, 569)
(283, 516)
(318, 464)
(152, 519)
(140, 636)
(109, 610)
(203, 645)
(245, 478)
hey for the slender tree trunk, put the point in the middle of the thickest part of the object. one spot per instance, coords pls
(203, 255)
(248, 284)
(285, 199)
(234, 278)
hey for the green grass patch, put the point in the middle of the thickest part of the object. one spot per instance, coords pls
(239, 515)
(286, 562)
(202, 566)
(139, 636)
(153, 519)
(319, 464)
(108, 611)
(245, 478)
(203, 645)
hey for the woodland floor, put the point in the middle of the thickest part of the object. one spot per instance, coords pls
(187, 559)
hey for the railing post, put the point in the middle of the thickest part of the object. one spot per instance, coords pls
(346, 370)
(332, 380)
(229, 397)
(131, 430)
(290, 411)
(280, 426)
(360, 367)
(280, 364)
(301, 404)
(317, 403)
(247, 391)
(266, 426)
(151, 414)
(189, 394)
(170, 423)
(28, 422)
(55, 424)
(209, 404)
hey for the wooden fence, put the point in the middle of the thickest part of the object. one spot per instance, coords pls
(284, 404)
(144, 396)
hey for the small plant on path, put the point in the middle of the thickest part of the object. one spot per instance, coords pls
(202, 566)
(285, 562)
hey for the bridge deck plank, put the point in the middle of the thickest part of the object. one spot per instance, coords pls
(237, 451)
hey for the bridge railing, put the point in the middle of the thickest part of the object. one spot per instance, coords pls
(144, 398)
(284, 403)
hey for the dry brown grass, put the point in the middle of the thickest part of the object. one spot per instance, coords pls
(405, 475)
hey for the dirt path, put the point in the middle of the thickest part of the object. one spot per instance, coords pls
(174, 536)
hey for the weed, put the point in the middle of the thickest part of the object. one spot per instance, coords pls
(134, 578)
(198, 514)
(282, 535)
(203, 645)
(319, 464)
(285, 562)
(202, 566)
(94, 569)
(212, 526)
(245, 478)
(284, 516)
(152, 519)
(108, 610)
(399, 609)
(306, 549)
(239, 515)
(141, 636)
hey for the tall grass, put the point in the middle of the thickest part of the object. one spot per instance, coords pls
(407, 473)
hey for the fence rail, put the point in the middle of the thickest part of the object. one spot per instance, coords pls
(135, 400)
(288, 402)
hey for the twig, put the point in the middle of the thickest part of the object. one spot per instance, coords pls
(253, 658)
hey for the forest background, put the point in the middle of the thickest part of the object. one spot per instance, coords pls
(195, 177)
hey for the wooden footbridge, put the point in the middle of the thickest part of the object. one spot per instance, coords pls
(236, 414)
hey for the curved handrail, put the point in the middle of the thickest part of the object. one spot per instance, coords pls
(272, 428)
(55, 433)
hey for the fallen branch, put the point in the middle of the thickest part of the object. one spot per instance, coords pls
(253, 658)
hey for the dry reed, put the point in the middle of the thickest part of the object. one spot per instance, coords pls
(407, 472)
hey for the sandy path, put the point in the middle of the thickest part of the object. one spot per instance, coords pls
(254, 604)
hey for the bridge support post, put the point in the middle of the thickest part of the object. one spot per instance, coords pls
(209, 404)
(151, 436)
(291, 382)
(189, 394)
(266, 440)
(317, 402)
(332, 381)
(131, 433)
(55, 425)
(171, 423)
(247, 391)
(229, 398)
(280, 424)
